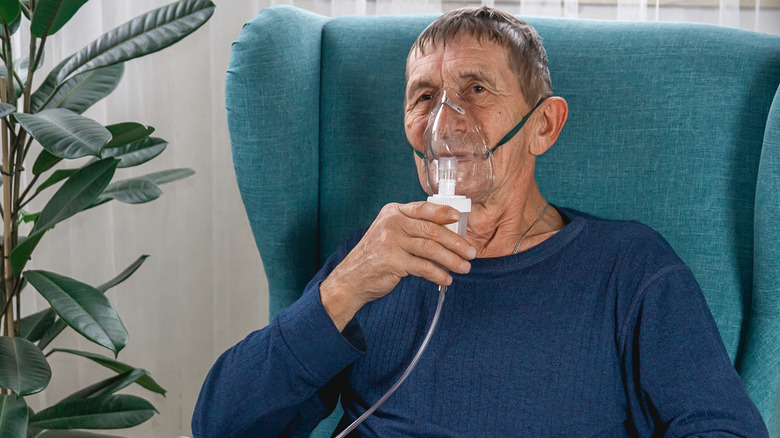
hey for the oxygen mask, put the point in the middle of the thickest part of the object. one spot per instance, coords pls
(456, 152)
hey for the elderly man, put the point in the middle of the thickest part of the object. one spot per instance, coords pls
(556, 323)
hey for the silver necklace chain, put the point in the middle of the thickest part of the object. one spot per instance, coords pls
(517, 247)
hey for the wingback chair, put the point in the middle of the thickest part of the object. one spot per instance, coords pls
(675, 125)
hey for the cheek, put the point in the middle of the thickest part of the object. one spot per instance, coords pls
(415, 128)
(422, 175)
(494, 128)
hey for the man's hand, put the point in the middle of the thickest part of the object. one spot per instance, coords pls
(405, 239)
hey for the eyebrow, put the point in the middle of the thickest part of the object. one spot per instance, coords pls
(418, 85)
(478, 76)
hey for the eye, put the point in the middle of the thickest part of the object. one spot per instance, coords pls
(425, 97)
(478, 89)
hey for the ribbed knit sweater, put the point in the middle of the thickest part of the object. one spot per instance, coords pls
(600, 331)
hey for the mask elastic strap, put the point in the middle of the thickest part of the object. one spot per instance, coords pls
(507, 137)
(517, 127)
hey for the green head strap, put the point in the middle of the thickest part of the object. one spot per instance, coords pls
(507, 137)
(517, 127)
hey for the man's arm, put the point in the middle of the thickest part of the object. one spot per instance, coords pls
(679, 379)
(281, 380)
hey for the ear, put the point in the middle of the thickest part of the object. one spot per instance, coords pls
(554, 111)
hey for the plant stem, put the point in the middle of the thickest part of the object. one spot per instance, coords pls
(7, 307)
(22, 201)
(25, 8)
(36, 58)
(8, 220)
(10, 96)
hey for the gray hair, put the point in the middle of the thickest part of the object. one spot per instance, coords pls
(526, 54)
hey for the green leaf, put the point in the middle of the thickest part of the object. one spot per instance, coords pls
(27, 217)
(64, 133)
(82, 307)
(6, 108)
(33, 432)
(50, 15)
(22, 69)
(77, 193)
(24, 64)
(131, 191)
(124, 275)
(32, 327)
(21, 254)
(137, 152)
(60, 325)
(145, 381)
(105, 412)
(72, 434)
(81, 91)
(108, 386)
(55, 177)
(13, 27)
(44, 162)
(13, 416)
(48, 87)
(170, 175)
(57, 328)
(23, 367)
(9, 10)
(126, 133)
(145, 34)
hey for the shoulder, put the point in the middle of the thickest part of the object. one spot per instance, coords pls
(631, 245)
(636, 262)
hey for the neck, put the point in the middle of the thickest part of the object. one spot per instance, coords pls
(497, 225)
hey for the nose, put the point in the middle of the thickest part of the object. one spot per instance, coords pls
(451, 117)
(454, 106)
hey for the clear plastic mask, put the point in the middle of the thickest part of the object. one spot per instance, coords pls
(452, 132)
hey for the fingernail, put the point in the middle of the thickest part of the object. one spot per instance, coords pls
(471, 253)
(449, 280)
(454, 217)
(465, 267)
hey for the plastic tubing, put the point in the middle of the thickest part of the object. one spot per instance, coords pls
(356, 423)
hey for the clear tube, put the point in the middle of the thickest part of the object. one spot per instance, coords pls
(356, 423)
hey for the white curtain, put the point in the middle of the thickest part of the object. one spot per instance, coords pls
(203, 287)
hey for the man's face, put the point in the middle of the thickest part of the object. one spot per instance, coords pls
(480, 72)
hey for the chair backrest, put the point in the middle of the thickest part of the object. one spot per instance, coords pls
(675, 125)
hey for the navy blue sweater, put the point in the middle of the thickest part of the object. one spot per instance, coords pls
(599, 331)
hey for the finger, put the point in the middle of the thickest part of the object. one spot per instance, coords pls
(448, 239)
(437, 253)
(424, 268)
(438, 214)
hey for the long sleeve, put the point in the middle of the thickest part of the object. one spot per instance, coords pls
(679, 379)
(281, 380)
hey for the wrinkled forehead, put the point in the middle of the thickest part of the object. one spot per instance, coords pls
(435, 47)
(457, 60)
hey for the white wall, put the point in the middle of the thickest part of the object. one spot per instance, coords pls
(203, 288)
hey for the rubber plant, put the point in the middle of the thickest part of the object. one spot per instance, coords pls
(51, 116)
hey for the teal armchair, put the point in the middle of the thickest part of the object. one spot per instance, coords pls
(675, 125)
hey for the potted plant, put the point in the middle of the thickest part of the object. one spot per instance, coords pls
(51, 116)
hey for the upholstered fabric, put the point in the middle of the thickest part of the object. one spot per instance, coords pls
(675, 125)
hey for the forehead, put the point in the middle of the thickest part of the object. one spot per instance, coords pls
(461, 56)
